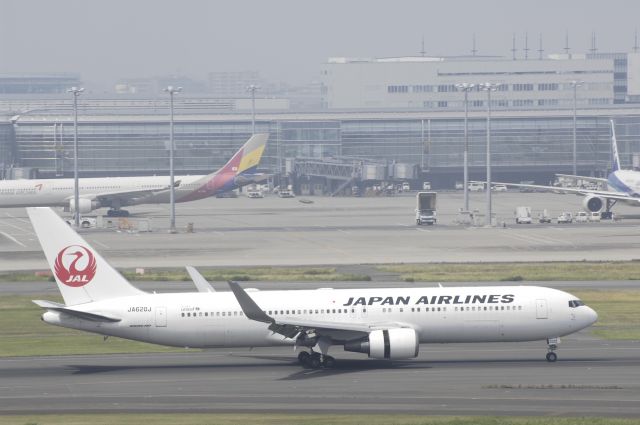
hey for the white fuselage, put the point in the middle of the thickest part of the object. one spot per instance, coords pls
(439, 315)
(625, 181)
(59, 192)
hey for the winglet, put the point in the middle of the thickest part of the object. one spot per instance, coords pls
(201, 283)
(248, 306)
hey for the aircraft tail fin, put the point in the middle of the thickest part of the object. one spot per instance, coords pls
(615, 158)
(81, 273)
(248, 157)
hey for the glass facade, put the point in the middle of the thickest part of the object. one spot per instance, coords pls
(126, 146)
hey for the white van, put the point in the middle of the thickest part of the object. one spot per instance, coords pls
(476, 187)
(523, 215)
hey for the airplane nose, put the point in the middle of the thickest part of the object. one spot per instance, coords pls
(592, 315)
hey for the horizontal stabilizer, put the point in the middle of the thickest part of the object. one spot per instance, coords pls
(50, 305)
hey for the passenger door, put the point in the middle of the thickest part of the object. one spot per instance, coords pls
(541, 309)
(161, 317)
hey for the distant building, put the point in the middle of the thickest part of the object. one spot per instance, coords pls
(232, 84)
(429, 82)
(38, 83)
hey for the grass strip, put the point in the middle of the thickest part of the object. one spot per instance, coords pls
(216, 275)
(546, 271)
(298, 419)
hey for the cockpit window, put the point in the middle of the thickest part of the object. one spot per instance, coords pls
(575, 303)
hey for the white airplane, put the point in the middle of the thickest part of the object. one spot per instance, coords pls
(382, 323)
(118, 192)
(623, 185)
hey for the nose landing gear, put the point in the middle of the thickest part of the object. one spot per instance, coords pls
(552, 346)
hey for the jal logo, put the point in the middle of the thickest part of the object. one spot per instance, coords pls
(75, 266)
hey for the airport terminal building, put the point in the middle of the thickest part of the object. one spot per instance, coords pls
(398, 119)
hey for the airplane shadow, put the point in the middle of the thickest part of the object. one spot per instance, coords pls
(342, 366)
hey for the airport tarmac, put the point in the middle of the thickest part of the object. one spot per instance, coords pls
(275, 231)
(591, 378)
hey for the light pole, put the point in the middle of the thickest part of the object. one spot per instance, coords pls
(466, 87)
(489, 87)
(172, 194)
(253, 88)
(575, 84)
(75, 91)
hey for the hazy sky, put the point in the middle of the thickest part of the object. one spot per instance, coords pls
(285, 40)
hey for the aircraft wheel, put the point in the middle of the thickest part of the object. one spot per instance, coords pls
(329, 362)
(552, 357)
(303, 357)
(314, 361)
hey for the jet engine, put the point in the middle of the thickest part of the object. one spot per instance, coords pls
(86, 205)
(391, 344)
(593, 203)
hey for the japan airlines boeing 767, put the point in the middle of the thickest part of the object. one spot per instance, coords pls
(382, 323)
(117, 192)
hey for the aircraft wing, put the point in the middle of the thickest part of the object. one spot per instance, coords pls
(290, 327)
(607, 194)
(584, 178)
(201, 283)
(105, 198)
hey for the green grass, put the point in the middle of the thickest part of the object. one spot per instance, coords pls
(483, 272)
(297, 419)
(219, 275)
(22, 333)
(618, 312)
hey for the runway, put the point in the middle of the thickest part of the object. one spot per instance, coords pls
(591, 378)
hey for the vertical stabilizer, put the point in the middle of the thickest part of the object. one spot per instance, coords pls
(248, 156)
(81, 273)
(615, 159)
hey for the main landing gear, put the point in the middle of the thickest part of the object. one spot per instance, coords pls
(552, 346)
(315, 360)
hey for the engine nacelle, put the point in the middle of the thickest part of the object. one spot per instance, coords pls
(86, 205)
(391, 344)
(593, 203)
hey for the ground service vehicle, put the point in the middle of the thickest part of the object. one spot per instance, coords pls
(581, 217)
(544, 217)
(566, 217)
(426, 208)
(594, 217)
(476, 187)
(426, 185)
(499, 188)
(523, 215)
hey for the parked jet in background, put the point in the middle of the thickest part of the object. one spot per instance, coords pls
(118, 192)
(623, 185)
(382, 323)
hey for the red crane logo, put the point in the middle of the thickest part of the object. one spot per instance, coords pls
(75, 266)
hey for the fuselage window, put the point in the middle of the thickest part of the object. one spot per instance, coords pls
(287, 311)
(316, 311)
(281, 311)
(438, 308)
(401, 310)
(364, 310)
(235, 313)
(384, 310)
(426, 309)
(188, 314)
(519, 307)
(456, 308)
(182, 314)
